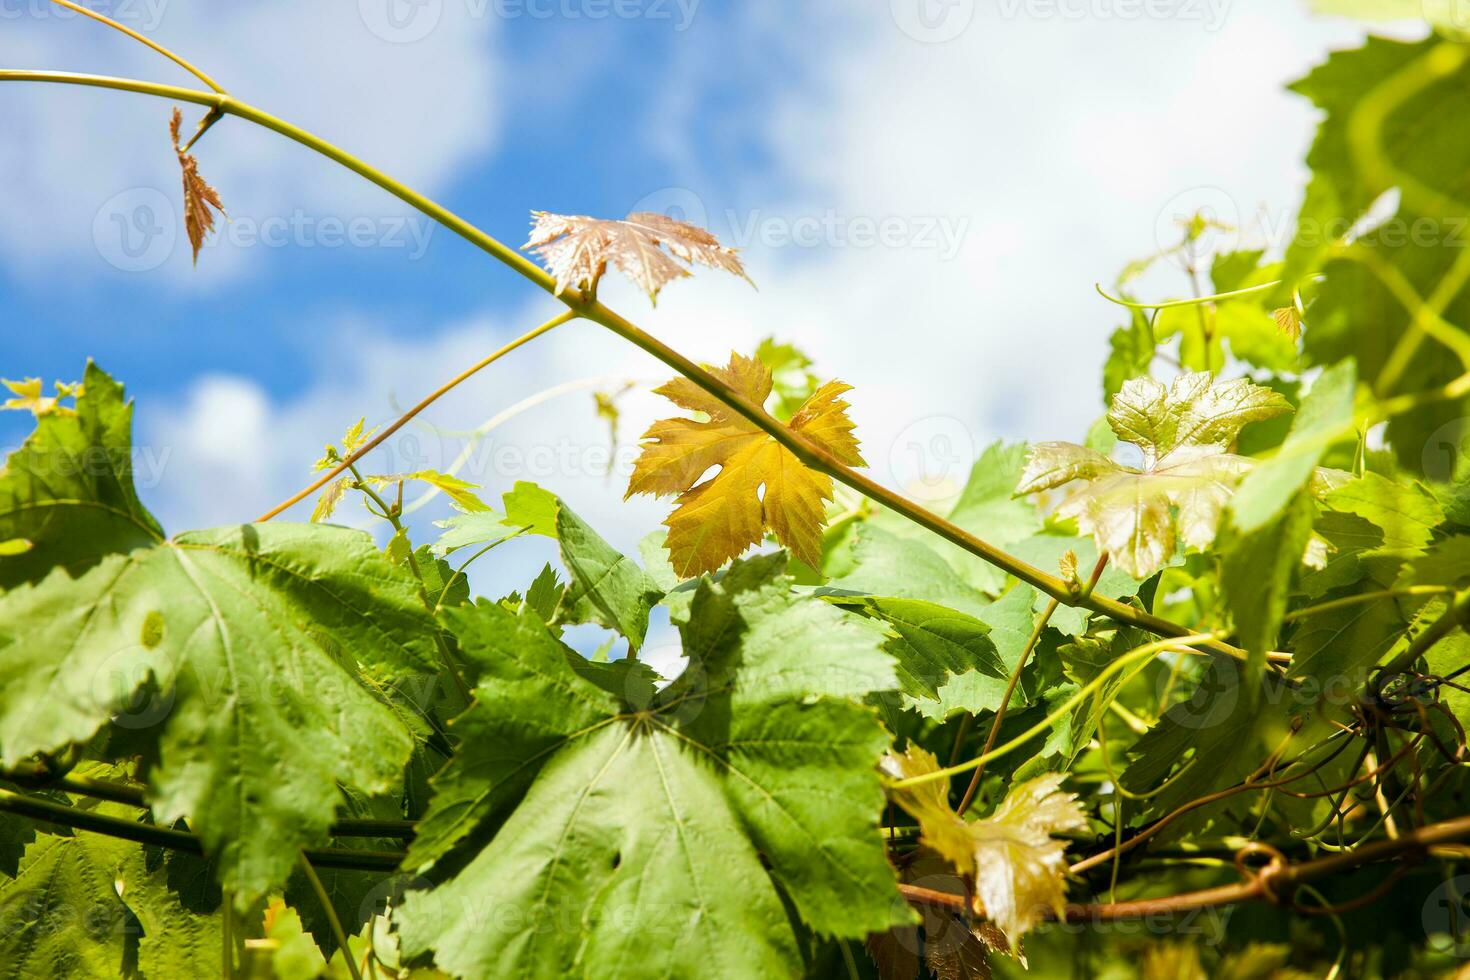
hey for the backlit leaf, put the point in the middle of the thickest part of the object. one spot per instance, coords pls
(1184, 432)
(1018, 868)
(760, 486)
(577, 249)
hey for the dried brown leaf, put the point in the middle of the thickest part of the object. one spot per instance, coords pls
(577, 249)
(199, 197)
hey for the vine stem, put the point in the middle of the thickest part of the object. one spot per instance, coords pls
(143, 40)
(1273, 884)
(1196, 301)
(338, 932)
(1015, 678)
(804, 449)
(177, 840)
(413, 412)
(1143, 653)
(131, 795)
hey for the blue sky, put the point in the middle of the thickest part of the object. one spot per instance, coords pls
(1017, 151)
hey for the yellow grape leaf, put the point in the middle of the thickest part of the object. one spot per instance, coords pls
(326, 504)
(353, 440)
(1289, 321)
(199, 197)
(1017, 867)
(28, 397)
(1067, 565)
(577, 249)
(760, 486)
(457, 490)
(1184, 433)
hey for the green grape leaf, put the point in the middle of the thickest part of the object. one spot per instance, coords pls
(1325, 416)
(254, 636)
(792, 382)
(1337, 647)
(884, 564)
(69, 489)
(250, 640)
(1011, 619)
(472, 529)
(933, 646)
(988, 505)
(1131, 352)
(1210, 737)
(1256, 572)
(1406, 513)
(646, 825)
(1380, 100)
(176, 900)
(544, 594)
(1351, 167)
(606, 587)
(61, 915)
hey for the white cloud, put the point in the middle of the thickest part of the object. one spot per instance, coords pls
(91, 183)
(1056, 145)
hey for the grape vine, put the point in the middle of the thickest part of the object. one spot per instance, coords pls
(1227, 675)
